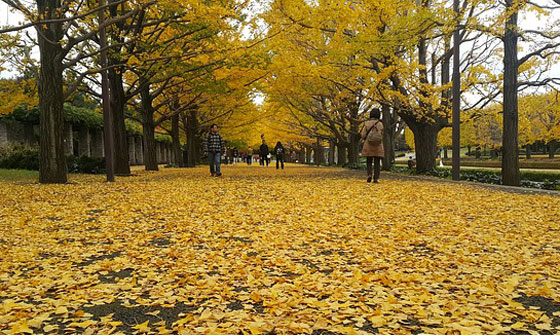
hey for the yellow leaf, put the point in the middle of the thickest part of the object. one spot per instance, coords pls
(518, 326)
(21, 328)
(143, 327)
(61, 310)
(50, 328)
(83, 324)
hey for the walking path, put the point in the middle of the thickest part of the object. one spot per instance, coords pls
(301, 251)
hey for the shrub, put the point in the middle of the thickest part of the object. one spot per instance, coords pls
(22, 157)
(85, 164)
(530, 179)
(18, 156)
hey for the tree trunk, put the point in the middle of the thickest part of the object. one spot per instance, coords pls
(388, 138)
(52, 161)
(551, 149)
(118, 102)
(341, 153)
(331, 152)
(308, 153)
(445, 156)
(318, 152)
(425, 140)
(177, 154)
(192, 141)
(148, 129)
(354, 145)
(528, 151)
(510, 160)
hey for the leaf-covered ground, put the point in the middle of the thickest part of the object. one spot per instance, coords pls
(301, 251)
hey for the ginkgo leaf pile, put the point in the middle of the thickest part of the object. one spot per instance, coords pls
(260, 251)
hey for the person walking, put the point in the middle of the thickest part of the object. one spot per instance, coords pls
(372, 135)
(279, 152)
(264, 152)
(249, 156)
(214, 147)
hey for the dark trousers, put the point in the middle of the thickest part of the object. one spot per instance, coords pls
(376, 162)
(249, 160)
(279, 160)
(264, 160)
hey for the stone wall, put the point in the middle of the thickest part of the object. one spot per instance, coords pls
(79, 140)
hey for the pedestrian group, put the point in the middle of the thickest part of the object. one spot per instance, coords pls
(371, 134)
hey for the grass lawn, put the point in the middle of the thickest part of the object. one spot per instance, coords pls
(18, 175)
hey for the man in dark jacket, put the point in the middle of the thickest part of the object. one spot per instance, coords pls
(263, 153)
(214, 147)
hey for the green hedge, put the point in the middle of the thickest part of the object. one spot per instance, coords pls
(22, 157)
(19, 157)
(530, 179)
(525, 164)
(85, 164)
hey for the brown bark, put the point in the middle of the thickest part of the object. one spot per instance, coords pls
(341, 149)
(354, 136)
(425, 140)
(118, 102)
(551, 149)
(388, 137)
(148, 129)
(528, 151)
(308, 153)
(52, 161)
(177, 154)
(191, 138)
(510, 160)
(331, 152)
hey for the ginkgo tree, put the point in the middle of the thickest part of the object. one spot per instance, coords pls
(382, 51)
(539, 119)
(61, 28)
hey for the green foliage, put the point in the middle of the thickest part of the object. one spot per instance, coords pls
(83, 116)
(530, 179)
(132, 127)
(163, 138)
(75, 115)
(487, 162)
(22, 157)
(85, 164)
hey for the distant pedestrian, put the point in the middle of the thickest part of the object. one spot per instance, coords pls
(214, 147)
(264, 152)
(411, 163)
(279, 152)
(249, 156)
(372, 135)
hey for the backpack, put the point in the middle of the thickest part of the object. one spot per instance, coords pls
(374, 136)
(279, 151)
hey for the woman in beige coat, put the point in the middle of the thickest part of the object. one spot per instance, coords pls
(373, 152)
